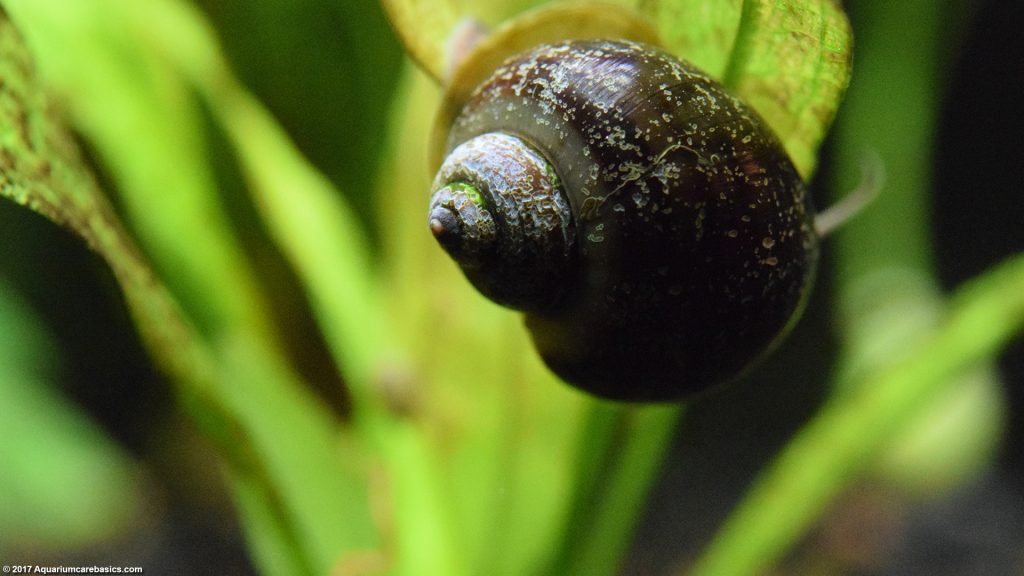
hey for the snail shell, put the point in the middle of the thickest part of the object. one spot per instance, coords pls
(649, 224)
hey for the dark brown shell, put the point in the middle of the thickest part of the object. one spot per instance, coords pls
(694, 247)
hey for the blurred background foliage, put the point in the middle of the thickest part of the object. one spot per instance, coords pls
(98, 463)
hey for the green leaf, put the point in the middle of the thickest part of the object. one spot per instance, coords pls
(424, 27)
(305, 214)
(322, 239)
(317, 493)
(703, 33)
(790, 60)
(853, 430)
(618, 462)
(146, 129)
(280, 441)
(887, 292)
(41, 170)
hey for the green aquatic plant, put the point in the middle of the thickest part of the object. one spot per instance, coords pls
(454, 435)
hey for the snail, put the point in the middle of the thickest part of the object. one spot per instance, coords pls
(648, 224)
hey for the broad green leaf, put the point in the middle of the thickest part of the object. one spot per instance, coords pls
(424, 27)
(792, 63)
(703, 33)
(789, 59)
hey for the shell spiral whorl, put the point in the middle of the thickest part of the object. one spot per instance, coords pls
(514, 229)
(649, 224)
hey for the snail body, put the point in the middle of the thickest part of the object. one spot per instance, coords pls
(649, 224)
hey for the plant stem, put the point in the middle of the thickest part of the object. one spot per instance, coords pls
(621, 454)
